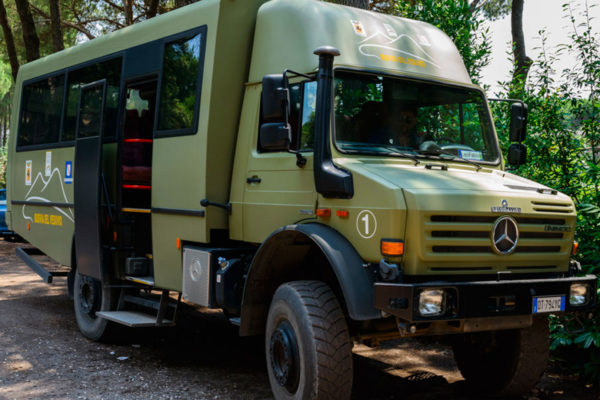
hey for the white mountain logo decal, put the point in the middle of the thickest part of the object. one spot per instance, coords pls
(402, 47)
(36, 193)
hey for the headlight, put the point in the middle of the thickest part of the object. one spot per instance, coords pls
(580, 294)
(432, 302)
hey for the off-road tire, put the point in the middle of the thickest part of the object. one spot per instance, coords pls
(312, 312)
(91, 326)
(504, 363)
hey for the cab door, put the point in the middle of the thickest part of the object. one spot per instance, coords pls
(87, 178)
(280, 188)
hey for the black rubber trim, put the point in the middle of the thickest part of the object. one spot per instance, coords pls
(41, 203)
(178, 211)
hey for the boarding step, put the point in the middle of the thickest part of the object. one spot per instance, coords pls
(148, 302)
(26, 254)
(134, 319)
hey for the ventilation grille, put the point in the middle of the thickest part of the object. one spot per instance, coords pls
(551, 207)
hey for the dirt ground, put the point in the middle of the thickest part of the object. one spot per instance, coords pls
(43, 356)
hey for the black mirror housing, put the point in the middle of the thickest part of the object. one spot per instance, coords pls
(275, 98)
(275, 136)
(517, 154)
(518, 122)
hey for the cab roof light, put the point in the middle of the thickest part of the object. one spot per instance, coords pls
(575, 248)
(323, 212)
(392, 247)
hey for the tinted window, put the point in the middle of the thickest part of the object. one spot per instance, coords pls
(40, 113)
(179, 86)
(109, 70)
(91, 111)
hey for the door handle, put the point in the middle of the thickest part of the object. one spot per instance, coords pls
(254, 179)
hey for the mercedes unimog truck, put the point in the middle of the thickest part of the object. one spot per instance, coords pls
(324, 175)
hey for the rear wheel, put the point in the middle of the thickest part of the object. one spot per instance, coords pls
(91, 296)
(308, 348)
(506, 363)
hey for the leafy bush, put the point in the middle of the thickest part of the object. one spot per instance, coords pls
(564, 153)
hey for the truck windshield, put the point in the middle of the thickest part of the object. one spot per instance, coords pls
(377, 114)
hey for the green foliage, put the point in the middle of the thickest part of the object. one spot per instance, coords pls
(564, 153)
(458, 21)
(3, 167)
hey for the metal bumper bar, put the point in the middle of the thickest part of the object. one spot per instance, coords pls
(481, 299)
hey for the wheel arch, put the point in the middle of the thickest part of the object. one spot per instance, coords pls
(283, 258)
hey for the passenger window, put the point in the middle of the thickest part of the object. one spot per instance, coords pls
(180, 84)
(109, 70)
(90, 122)
(41, 110)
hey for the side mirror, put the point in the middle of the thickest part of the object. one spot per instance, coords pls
(518, 122)
(517, 154)
(275, 98)
(275, 136)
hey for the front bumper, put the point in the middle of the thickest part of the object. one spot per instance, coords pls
(481, 299)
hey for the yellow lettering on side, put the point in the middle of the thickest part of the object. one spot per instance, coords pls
(56, 220)
(38, 218)
(402, 60)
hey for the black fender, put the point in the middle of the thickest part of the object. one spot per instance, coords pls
(282, 254)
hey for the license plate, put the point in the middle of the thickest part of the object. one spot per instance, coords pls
(548, 304)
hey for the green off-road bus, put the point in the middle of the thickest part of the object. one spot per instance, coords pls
(322, 174)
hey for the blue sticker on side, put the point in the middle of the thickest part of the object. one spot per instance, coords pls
(471, 155)
(69, 172)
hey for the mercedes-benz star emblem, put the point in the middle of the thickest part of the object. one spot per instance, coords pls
(505, 235)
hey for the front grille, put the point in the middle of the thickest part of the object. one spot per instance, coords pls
(471, 234)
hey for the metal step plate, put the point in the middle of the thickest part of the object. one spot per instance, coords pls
(132, 319)
(143, 280)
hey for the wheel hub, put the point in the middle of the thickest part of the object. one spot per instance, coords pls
(88, 296)
(283, 353)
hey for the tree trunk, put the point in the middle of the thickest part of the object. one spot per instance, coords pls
(55, 26)
(364, 4)
(152, 9)
(128, 12)
(30, 37)
(10, 42)
(522, 62)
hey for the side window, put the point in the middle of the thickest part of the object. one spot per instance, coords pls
(109, 70)
(41, 111)
(303, 98)
(180, 84)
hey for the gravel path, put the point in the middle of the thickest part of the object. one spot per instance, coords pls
(43, 356)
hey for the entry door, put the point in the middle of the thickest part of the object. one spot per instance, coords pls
(88, 161)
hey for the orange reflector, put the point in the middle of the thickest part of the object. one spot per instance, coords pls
(575, 248)
(323, 212)
(178, 244)
(29, 226)
(392, 247)
(342, 213)
(115, 236)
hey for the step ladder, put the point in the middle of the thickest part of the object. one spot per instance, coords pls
(164, 306)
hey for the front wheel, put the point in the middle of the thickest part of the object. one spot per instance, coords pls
(506, 363)
(308, 348)
(91, 296)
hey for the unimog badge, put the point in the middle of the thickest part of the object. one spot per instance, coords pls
(506, 209)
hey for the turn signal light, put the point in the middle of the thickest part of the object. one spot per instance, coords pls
(575, 248)
(178, 242)
(342, 213)
(323, 212)
(392, 247)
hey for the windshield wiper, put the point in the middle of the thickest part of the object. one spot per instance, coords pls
(432, 149)
(402, 154)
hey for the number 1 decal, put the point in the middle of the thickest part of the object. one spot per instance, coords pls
(366, 224)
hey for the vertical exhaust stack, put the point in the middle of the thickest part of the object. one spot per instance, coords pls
(330, 180)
